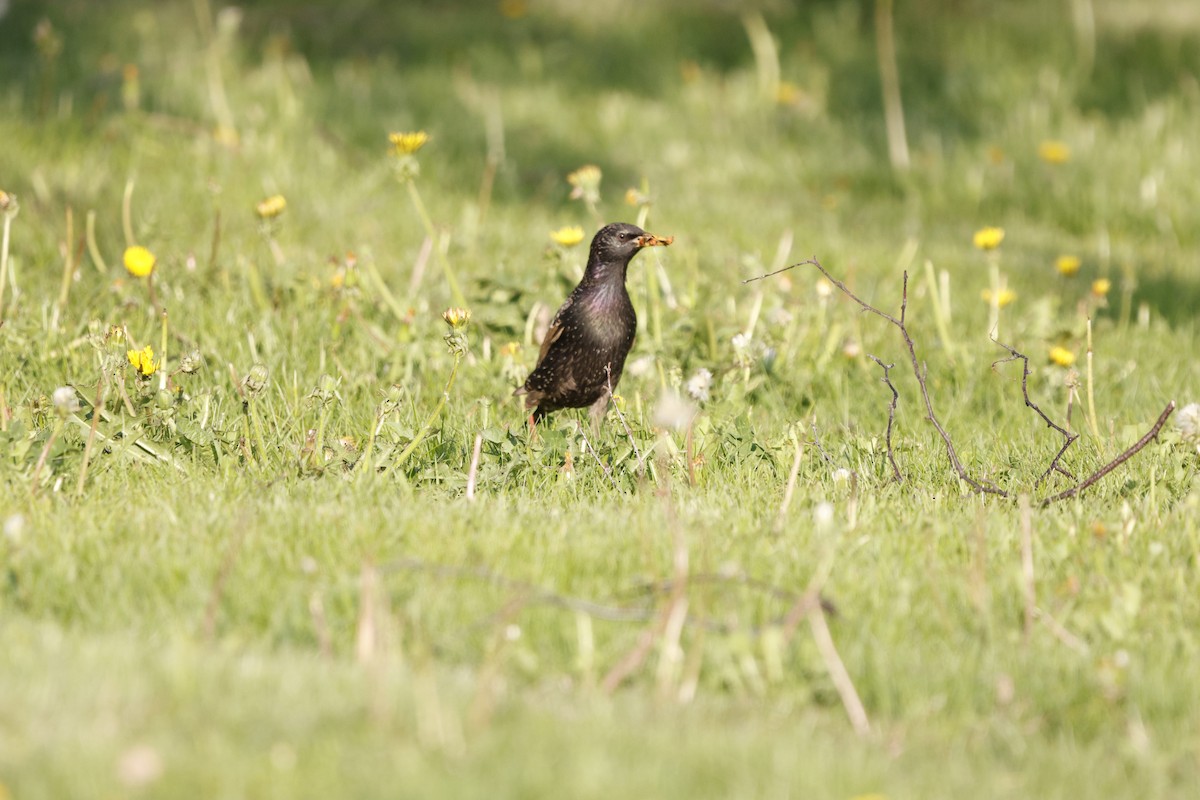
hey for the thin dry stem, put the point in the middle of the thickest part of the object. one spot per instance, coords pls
(891, 415)
(588, 446)
(1129, 453)
(837, 671)
(1068, 437)
(983, 487)
(791, 487)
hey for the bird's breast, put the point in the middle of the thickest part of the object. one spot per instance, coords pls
(608, 315)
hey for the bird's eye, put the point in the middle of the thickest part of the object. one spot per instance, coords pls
(626, 234)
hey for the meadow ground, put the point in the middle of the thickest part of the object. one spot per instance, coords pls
(266, 567)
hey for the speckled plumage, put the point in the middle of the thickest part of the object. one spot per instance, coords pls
(590, 336)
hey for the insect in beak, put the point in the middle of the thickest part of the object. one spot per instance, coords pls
(650, 240)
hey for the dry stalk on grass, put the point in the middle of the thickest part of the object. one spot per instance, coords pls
(921, 373)
(1068, 437)
(891, 416)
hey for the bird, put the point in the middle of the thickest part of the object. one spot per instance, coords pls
(583, 353)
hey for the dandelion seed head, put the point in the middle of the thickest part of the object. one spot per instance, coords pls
(65, 400)
(1187, 422)
(673, 411)
(698, 384)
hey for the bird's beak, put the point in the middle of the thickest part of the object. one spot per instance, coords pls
(650, 240)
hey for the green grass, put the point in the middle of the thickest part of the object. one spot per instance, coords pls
(256, 595)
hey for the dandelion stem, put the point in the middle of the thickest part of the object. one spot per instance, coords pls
(364, 465)
(97, 408)
(1091, 396)
(941, 309)
(419, 205)
(421, 434)
(8, 218)
(64, 289)
(127, 214)
(259, 440)
(889, 77)
(993, 330)
(162, 355)
(388, 298)
(93, 250)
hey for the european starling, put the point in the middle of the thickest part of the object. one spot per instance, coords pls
(584, 351)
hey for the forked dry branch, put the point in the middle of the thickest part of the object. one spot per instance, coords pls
(920, 370)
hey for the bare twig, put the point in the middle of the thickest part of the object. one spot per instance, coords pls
(828, 459)
(534, 594)
(891, 415)
(1133, 450)
(980, 486)
(1068, 437)
(588, 445)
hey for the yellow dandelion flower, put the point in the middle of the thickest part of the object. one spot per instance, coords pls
(1100, 286)
(139, 261)
(1053, 151)
(999, 299)
(1061, 356)
(633, 197)
(457, 318)
(143, 360)
(272, 207)
(510, 349)
(586, 182)
(568, 236)
(788, 94)
(989, 238)
(1067, 265)
(408, 142)
(6, 199)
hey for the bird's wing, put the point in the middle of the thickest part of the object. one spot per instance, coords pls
(554, 331)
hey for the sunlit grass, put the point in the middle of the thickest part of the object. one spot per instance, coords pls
(257, 571)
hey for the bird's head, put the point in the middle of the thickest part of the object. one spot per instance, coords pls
(620, 241)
